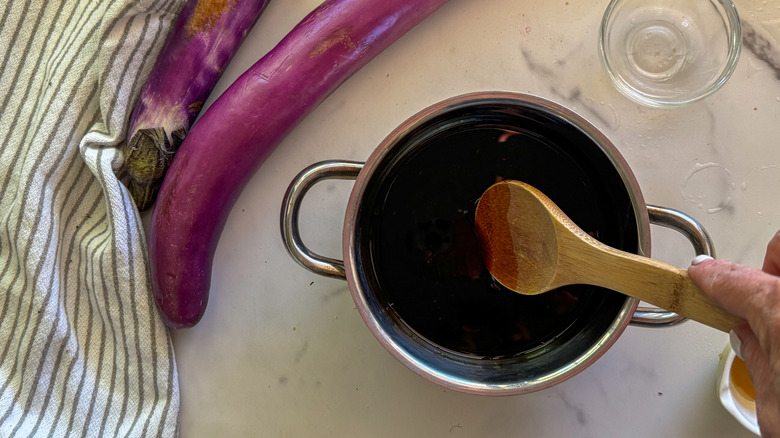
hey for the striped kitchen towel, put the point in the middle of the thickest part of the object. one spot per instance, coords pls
(82, 349)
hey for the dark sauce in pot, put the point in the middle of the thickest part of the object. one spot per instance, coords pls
(424, 255)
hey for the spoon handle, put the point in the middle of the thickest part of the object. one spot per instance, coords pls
(657, 283)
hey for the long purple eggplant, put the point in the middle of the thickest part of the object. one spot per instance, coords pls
(203, 40)
(241, 129)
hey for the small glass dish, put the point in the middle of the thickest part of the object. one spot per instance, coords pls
(735, 390)
(669, 53)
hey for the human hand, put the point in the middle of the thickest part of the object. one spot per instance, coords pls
(754, 295)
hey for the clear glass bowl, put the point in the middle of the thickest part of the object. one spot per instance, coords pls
(669, 53)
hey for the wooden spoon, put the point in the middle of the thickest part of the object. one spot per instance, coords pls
(530, 246)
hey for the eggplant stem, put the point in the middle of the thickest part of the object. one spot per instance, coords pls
(148, 155)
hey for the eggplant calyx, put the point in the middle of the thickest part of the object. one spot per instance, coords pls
(148, 155)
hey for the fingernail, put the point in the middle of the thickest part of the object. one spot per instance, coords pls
(701, 258)
(736, 344)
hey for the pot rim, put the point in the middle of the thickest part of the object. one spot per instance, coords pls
(351, 261)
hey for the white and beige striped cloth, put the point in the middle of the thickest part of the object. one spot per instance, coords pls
(82, 349)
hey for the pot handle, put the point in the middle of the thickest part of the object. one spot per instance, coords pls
(699, 238)
(291, 205)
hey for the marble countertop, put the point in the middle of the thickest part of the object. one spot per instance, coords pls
(282, 352)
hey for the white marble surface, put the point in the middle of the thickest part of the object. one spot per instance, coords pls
(283, 353)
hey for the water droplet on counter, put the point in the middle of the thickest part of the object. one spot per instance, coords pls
(709, 187)
(763, 181)
(615, 115)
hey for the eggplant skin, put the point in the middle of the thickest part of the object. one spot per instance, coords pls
(241, 129)
(205, 36)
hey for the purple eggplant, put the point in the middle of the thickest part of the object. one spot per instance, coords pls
(205, 36)
(241, 129)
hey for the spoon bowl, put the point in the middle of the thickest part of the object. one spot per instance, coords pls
(528, 233)
(530, 246)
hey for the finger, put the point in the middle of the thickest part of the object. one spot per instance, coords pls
(765, 381)
(772, 257)
(744, 291)
(750, 349)
(768, 418)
